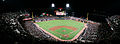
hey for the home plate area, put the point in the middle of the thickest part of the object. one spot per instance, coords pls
(63, 31)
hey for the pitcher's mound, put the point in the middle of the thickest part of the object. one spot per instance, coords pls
(63, 30)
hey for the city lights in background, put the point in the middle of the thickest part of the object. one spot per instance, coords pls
(67, 5)
(53, 5)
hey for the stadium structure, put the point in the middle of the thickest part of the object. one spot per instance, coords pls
(59, 27)
(54, 29)
(23, 22)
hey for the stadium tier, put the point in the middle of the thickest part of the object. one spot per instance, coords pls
(55, 29)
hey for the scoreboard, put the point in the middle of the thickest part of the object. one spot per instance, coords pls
(60, 13)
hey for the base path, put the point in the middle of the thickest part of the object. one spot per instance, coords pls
(59, 38)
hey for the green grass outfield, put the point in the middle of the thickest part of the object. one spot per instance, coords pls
(49, 24)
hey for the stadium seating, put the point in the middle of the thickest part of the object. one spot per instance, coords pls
(13, 29)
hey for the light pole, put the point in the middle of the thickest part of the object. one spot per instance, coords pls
(67, 8)
(52, 7)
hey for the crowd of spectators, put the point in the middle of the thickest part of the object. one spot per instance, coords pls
(109, 32)
(13, 31)
(114, 23)
(90, 33)
(37, 32)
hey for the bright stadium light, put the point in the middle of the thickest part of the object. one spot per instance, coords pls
(53, 5)
(3, 0)
(67, 5)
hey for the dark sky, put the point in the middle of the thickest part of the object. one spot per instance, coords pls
(104, 5)
(74, 4)
(61, 3)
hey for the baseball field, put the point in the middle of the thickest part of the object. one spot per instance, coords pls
(63, 29)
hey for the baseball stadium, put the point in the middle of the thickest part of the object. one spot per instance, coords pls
(56, 29)
(59, 22)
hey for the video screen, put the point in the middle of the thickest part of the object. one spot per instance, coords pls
(60, 13)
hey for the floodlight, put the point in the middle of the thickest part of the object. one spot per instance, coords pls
(53, 5)
(67, 5)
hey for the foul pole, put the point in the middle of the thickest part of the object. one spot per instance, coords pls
(32, 16)
(87, 15)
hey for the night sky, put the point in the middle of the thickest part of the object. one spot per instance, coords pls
(104, 5)
(61, 3)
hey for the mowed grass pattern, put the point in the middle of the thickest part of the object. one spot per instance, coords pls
(49, 24)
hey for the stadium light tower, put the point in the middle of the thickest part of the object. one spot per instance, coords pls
(52, 5)
(67, 5)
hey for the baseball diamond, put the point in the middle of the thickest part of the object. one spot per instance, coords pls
(62, 29)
